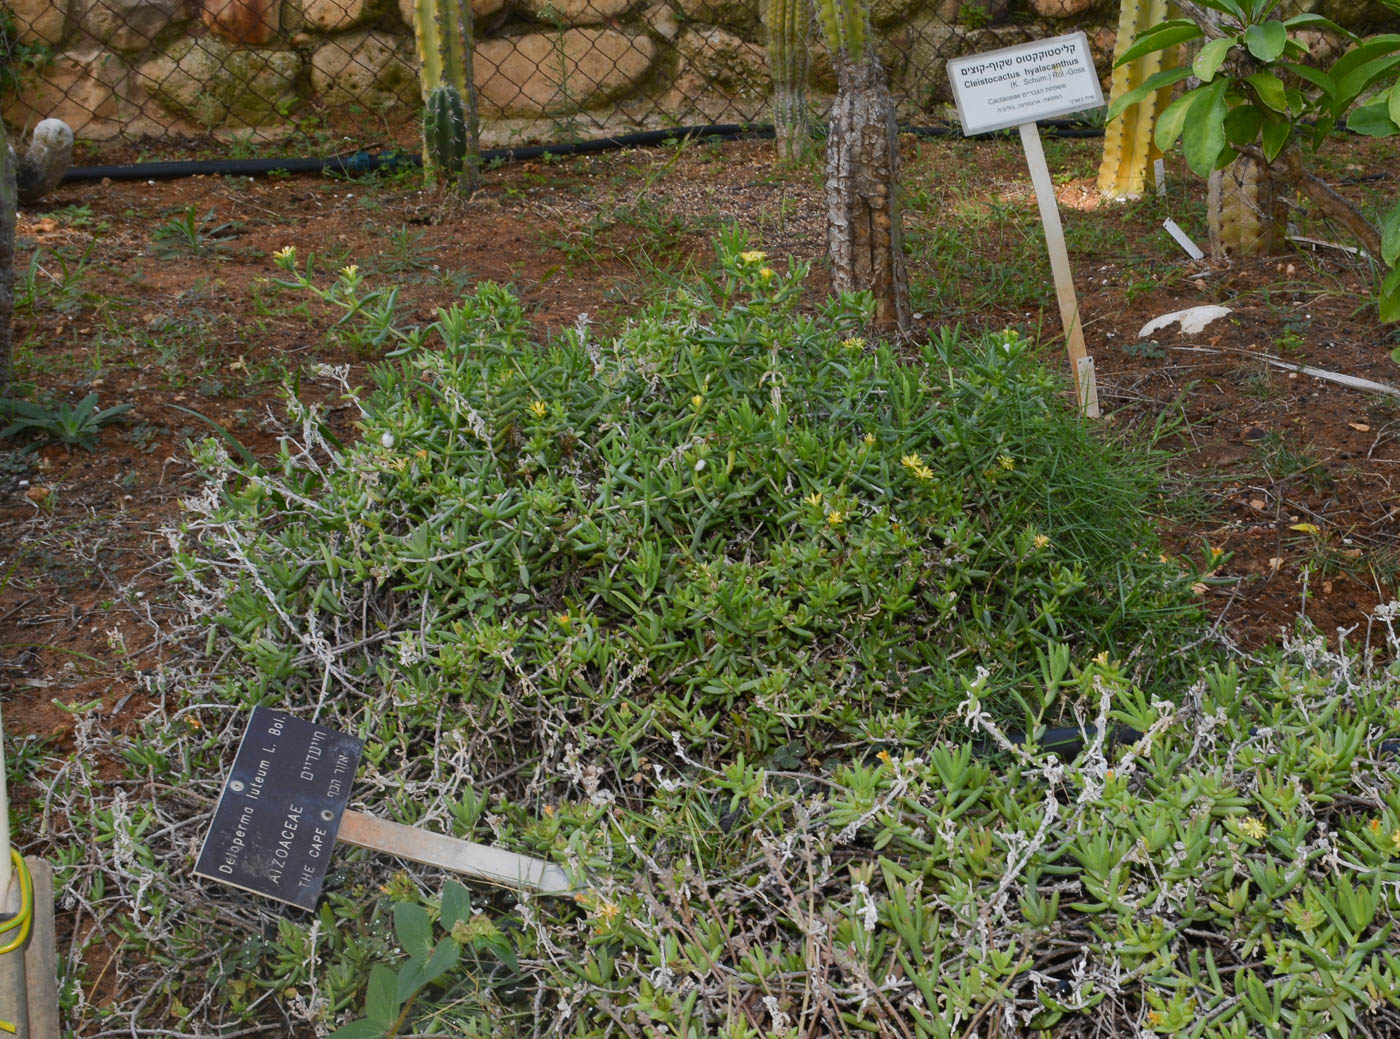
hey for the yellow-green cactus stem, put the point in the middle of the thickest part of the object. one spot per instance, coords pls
(1248, 217)
(788, 59)
(1128, 150)
(442, 31)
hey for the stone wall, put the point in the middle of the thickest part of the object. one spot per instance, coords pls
(545, 69)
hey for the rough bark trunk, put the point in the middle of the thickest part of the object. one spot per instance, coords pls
(8, 199)
(1246, 212)
(864, 229)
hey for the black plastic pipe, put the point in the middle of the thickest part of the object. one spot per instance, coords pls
(362, 162)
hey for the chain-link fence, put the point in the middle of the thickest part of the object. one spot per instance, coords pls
(322, 75)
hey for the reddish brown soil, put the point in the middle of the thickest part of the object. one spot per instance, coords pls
(1286, 473)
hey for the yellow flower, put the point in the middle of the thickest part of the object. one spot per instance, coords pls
(911, 461)
(884, 756)
(1006, 462)
(815, 498)
(539, 408)
(1041, 541)
(1253, 827)
(348, 272)
(1395, 841)
(835, 517)
(753, 256)
(1375, 826)
(564, 619)
(1154, 1018)
(285, 256)
(869, 439)
(765, 275)
(696, 401)
(1102, 659)
(548, 810)
(853, 343)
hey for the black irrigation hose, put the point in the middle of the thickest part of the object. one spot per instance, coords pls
(362, 162)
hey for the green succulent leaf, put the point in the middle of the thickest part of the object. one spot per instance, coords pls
(1389, 304)
(1270, 89)
(1160, 37)
(1145, 89)
(1266, 40)
(1203, 136)
(1211, 56)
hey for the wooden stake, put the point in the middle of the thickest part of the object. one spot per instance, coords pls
(1059, 266)
(435, 849)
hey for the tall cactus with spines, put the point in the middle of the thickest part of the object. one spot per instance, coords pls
(1128, 149)
(445, 130)
(865, 233)
(443, 34)
(788, 59)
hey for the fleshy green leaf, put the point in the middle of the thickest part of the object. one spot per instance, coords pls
(1266, 40)
(1274, 137)
(456, 904)
(1372, 120)
(382, 997)
(1308, 74)
(1242, 125)
(1160, 37)
(413, 928)
(1390, 236)
(1148, 87)
(1203, 137)
(1390, 297)
(359, 1029)
(1269, 88)
(1208, 61)
(1173, 119)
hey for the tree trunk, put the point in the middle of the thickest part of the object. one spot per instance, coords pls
(864, 229)
(1246, 212)
(8, 199)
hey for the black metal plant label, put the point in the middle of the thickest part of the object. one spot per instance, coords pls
(279, 812)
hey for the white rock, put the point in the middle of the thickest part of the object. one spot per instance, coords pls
(1191, 320)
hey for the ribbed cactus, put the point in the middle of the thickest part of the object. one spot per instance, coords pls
(865, 235)
(1247, 215)
(443, 33)
(445, 131)
(1128, 151)
(788, 58)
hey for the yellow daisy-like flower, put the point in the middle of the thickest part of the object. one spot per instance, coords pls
(884, 756)
(753, 256)
(835, 517)
(696, 401)
(548, 810)
(815, 498)
(853, 343)
(869, 439)
(1006, 462)
(539, 408)
(1375, 826)
(765, 275)
(564, 619)
(1102, 659)
(1253, 827)
(916, 465)
(348, 272)
(1041, 541)
(285, 256)
(607, 913)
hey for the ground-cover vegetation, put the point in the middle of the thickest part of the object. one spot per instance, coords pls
(743, 867)
(714, 611)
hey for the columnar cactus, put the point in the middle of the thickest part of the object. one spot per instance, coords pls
(1128, 151)
(444, 130)
(442, 30)
(788, 58)
(864, 228)
(1247, 214)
